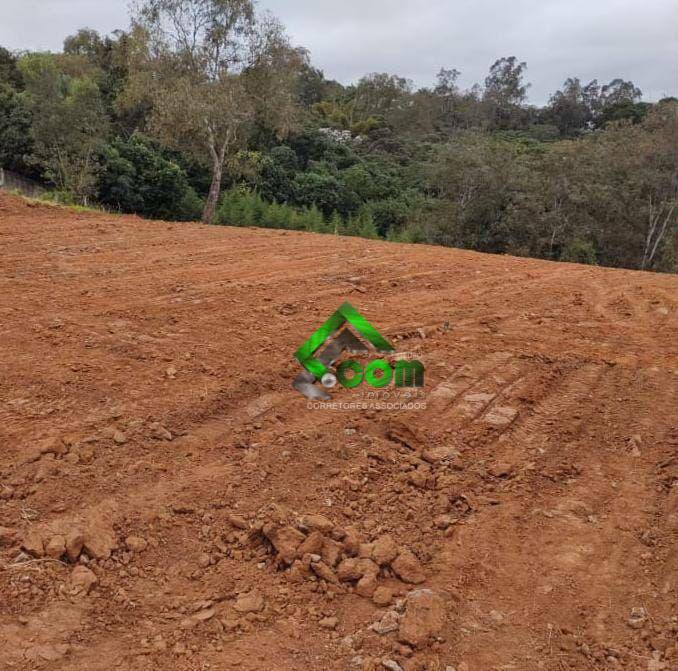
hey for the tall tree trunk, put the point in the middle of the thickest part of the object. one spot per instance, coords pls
(214, 193)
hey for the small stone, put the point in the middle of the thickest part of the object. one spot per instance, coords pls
(188, 623)
(355, 568)
(86, 454)
(408, 568)
(299, 572)
(367, 585)
(54, 446)
(119, 438)
(638, 618)
(323, 571)
(100, 538)
(389, 622)
(238, 521)
(402, 649)
(501, 416)
(285, 540)
(46, 653)
(6, 493)
(160, 432)
(434, 455)
(204, 615)
(391, 665)
(329, 623)
(384, 550)
(82, 580)
(352, 542)
(33, 544)
(252, 602)
(75, 541)
(317, 523)
(444, 521)
(313, 544)
(204, 560)
(424, 618)
(56, 547)
(136, 543)
(419, 477)
(500, 469)
(331, 551)
(382, 596)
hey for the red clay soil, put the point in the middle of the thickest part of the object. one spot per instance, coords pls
(168, 501)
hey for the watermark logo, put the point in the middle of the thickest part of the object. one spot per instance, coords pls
(347, 331)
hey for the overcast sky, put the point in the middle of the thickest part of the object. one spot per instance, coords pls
(600, 39)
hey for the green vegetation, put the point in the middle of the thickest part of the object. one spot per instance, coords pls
(147, 122)
(243, 207)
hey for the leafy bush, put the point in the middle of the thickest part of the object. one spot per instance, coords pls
(579, 251)
(16, 139)
(243, 207)
(138, 178)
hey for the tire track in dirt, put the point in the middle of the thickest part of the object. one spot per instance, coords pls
(548, 448)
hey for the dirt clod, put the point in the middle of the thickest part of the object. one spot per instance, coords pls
(408, 567)
(55, 547)
(75, 541)
(285, 540)
(33, 544)
(136, 543)
(82, 580)
(329, 623)
(424, 618)
(251, 602)
(384, 550)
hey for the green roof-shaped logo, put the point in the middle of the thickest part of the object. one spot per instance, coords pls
(306, 354)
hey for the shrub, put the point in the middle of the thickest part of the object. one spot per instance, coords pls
(139, 179)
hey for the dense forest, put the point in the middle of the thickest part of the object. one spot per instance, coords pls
(205, 110)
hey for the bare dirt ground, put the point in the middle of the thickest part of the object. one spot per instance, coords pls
(168, 501)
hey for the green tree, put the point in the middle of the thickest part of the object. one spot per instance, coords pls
(336, 224)
(108, 60)
(211, 69)
(276, 178)
(10, 75)
(312, 86)
(365, 225)
(574, 107)
(318, 189)
(69, 124)
(16, 143)
(506, 92)
(377, 94)
(619, 91)
(137, 177)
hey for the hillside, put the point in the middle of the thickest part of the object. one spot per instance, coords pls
(161, 474)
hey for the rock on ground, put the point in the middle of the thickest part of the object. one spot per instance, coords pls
(424, 618)
(408, 568)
